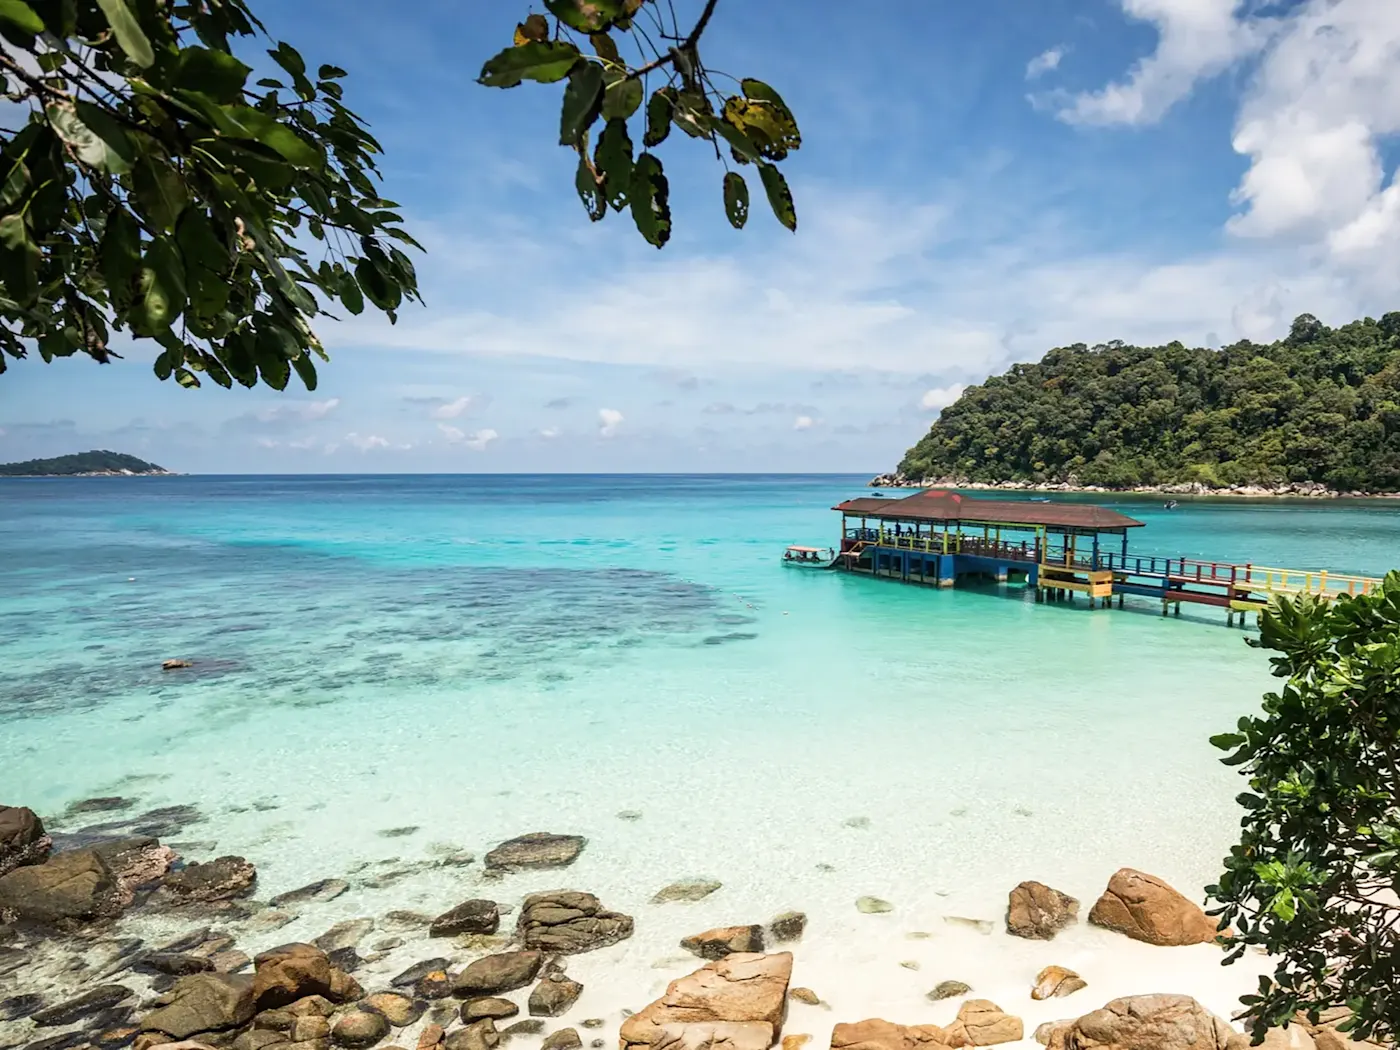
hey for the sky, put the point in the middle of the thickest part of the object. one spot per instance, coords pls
(978, 183)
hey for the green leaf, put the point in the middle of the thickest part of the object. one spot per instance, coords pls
(330, 73)
(764, 118)
(1227, 741)
(651, 207)
(622, 96)
(736, 199)
(19, 18)
(121, 154)
(60, 17)
(544, 63)
(306, 369)
(587, 16)
(660, 108)
(119, 257)
(378, 287)
(779, 196)
(19, 257)
(605, 48)
(216, 73)
(206, 259)
(128, 32)
(589, 190)
(162, 285)
(248, 123)
(693, 114)
(159, 190)
(743, 148)
(350, 293)
(583, 99)
(288, 58)
(613, 160)
(186, 378)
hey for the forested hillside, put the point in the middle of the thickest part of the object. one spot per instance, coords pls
(1322, 405)
(99, 461)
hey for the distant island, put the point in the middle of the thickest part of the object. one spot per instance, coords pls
(1316, 413)
(97, 463)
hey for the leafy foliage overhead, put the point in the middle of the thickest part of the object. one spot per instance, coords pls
(603, 91)
(1321, 405)
(1313, 880)
(153, 190)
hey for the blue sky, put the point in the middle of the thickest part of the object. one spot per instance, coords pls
(978, 183)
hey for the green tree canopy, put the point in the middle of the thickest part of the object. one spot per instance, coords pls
(1321, 405)
(1315, 879)
(154, 190)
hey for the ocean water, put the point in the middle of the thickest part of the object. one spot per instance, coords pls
(475, 657)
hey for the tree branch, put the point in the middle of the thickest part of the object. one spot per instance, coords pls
(688, 44)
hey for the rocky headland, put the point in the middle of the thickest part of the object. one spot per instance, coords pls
(110, 939)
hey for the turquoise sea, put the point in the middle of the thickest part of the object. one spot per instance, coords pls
(473, 657)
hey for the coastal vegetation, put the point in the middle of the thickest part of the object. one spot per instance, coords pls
(1321, 405)
(97, 461)
(1313, 879)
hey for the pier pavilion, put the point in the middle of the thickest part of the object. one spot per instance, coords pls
(937, 537)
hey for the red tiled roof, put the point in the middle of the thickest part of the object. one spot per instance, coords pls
(943, 505)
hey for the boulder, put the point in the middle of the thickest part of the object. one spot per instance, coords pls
(290, 972)
(321, 890)
(203, 1002)
(434, 985)
(1037, 912)
(539, 849)
(529, 1026)
(174, 964)
(20, 1006)
(564, 1039)
(947, 990)
(357, 1029)
(743, 988)
(718, 1035)
(686, 890)
(1294, 1037)
(91, 1002)
(491, 1007)
(22, 838)
(430, 1036)
(231, 961)
(1145, 1022)
(1055, 982)
(983, 1023)
(415, 973)
(481, 1035)
(873, 906)
(877, 1034)
(344, 988)
(399, 1009)
(1145, 908)
(68, 889)
(806, 996)
(567, 922)
(225, 878)
(347, 934)
(552, 998)
(789, 926)
(504, 972)
(725, 940)
(474, 916)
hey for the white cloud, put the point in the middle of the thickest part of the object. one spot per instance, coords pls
(1044, 62)
(477, 441)
(609, 419)
(1196, 39)
(452, 409)
(451, 433)
(803, 423)
(366, 442)
(297, 410)
(549, 432)
(941, 396)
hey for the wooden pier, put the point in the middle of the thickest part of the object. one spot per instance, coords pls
(937, 537)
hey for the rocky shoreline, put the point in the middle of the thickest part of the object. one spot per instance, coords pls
(1288, 490)
(110, 939)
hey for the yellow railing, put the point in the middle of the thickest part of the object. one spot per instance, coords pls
(1299, 581)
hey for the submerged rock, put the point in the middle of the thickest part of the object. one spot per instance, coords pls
(1037, 912)
(417, 972)
(67, 890)
(491, 1007)
(203, 1002)
(85, 1005)
(1145, 908)
(552, 998)
(504, 972)
(473, 916)
(321, 890)
(789, 926)
(540, 849)
(567, 922)
(564, 1039)
(726, 940)
(222, 879)
(686, 890)
(347, 934)
(806, 996)
(947, 990)
(873, 906)
(18, 1007)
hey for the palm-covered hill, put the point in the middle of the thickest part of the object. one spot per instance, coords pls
(1322, 405)
(99, 461)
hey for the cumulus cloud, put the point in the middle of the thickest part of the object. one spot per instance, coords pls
(1044, 62)
(286, 415)
(549, 432)
(1196, 39)
(366, 442)
(803, 423)
(609, 419)
(452, 409)
(941, 396)
(477, 441)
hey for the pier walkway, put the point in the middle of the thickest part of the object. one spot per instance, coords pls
(937, 537)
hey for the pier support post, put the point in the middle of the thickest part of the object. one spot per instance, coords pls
(1164, 607)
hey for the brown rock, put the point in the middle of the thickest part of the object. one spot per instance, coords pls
(481, 1035)
(726, 940)
(947, 990)
(344, 988)
(357, 1029)
(183, 1044)
(1055, 982)
(399, 1009)
(1145, 908)
(567, 922)
(435, 984)
(320, 890)
(983, 1023)
(1036, 911)
(230, 961)
(504, 972)
(309, 1026)
(22, 838)
(68, 889)
(175, 664)
(805, 995)
(342, 935)
(1294, 1037)
(1145, 1022)
(203, 1002)
(473, 916)
(417, 972)
(796, 1041)
(877, 1034)
(258, 1038)
(564, 1039)
(553, 998)
(290, 972)
(222, 879)
(686, 890)
(529, 1026)
(745, 988)
(717, 1035)
(490, 1007)
(430, 1036)
(789, 926)
(90, 1002)
(539, 849)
